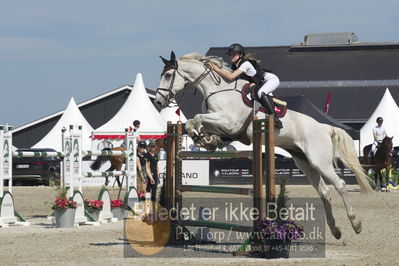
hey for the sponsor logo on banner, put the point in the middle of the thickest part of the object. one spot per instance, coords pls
(195, 172)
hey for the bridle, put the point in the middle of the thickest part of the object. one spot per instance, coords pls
(169, 96)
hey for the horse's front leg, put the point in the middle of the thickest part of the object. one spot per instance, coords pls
(191, 131)
(200, 125)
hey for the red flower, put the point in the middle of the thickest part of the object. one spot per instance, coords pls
(118, 203)
(60, 204)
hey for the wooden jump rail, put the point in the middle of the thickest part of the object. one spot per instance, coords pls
(174, 188)
(214, 154)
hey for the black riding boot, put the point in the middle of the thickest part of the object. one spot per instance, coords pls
(264, 100)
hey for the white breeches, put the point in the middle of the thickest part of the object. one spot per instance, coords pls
(271, 84)
(373, 148)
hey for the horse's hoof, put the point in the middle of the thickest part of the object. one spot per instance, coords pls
(207, 140)
(337, 233)
(358, 227)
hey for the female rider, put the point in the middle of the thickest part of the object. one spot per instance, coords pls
(248, 68)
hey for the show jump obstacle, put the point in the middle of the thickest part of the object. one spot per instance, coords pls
(174, 187)
(71, 174)
(8, 214)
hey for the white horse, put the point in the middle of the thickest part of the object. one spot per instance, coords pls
(313, 146)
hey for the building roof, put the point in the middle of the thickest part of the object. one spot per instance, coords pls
(347, 104)
(356, 74)
(303, 105)
(360, 61)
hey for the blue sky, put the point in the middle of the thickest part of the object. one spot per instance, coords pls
(51, 50)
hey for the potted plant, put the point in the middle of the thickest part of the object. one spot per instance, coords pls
(118, 207)
(141, 195)
(64, 210)
(93, 207)
(277, 237)
(277, 234)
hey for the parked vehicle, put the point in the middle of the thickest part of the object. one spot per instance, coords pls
(45, 170)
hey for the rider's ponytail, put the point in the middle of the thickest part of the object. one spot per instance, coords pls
(251, 57)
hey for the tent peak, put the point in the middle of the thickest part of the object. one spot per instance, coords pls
(139, 82)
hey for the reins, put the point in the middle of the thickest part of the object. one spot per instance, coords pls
(208, 71)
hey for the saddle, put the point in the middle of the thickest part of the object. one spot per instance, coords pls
(250, 93)
(370, 159)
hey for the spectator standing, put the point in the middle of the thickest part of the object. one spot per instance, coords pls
(153, 159)
(145, 169)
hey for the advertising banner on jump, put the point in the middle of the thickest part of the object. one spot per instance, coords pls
(195, 172)
(235, 171)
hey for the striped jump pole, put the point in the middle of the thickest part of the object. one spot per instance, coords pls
(105, 153)
(37, 154)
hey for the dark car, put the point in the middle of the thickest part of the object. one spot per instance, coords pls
(41, 169)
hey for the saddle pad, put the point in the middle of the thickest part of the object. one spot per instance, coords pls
(249, 93)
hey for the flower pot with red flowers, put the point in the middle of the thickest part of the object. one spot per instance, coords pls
(141, 195)
(118, 207)
(64, 212)
(93, 207)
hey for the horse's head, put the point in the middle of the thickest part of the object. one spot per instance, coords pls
(387, 143)
(190, 69)
(171, 82)
(160, 144)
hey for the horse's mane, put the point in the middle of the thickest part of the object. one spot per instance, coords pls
(198, 57)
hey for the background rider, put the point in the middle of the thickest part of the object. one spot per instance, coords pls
(379, 133)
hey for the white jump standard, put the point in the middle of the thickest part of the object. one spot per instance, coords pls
(8, 214)
(73, 175)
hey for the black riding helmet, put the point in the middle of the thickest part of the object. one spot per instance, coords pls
(136, 123)
(142, 144)
(380, 120)
(236, 47)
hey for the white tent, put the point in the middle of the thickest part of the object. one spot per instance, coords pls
(389, 111)
(169, 113)
(71, 116)
(138, 106)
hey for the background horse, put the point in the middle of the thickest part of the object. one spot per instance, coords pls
(313, 146)
(118, 161)
(381, 160)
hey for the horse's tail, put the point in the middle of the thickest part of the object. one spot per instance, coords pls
(100, 161)
(345, 150)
